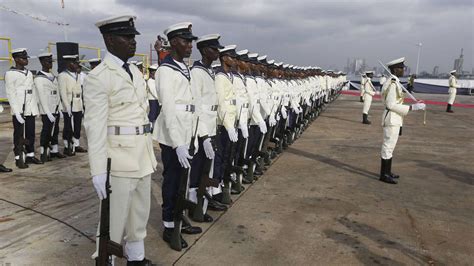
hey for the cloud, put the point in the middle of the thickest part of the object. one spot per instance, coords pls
(302, 32)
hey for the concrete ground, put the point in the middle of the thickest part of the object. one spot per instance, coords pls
(320, 203)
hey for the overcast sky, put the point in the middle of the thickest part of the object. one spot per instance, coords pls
(301, 32)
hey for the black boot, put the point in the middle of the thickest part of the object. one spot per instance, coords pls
(3, 169)
(449, 108)
(167, 237)
(389, 170)
(384, 174)
(365, 119)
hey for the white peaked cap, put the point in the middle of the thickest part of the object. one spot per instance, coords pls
(243, 52)
(396, 61)
(228, 47)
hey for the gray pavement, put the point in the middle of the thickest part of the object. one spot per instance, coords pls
(320, 203)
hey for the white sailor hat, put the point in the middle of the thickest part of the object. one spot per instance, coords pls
(286, 65)
(133, 62)
(118, 25)
(262, 57)
(398, 61)
(242, 55)
(94, 61)
(45, 55)
(71, 56)
(278, 64)
(243, 52)
(271, 61)
(153, 67)
(182, 30)
(139, 63)
(452, 71)
(209, 40)
(20, 52)
(253, 58)
(369, 72)
(228, 50)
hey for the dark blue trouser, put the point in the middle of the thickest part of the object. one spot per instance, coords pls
(254, 137)
(172, 171)
(222, 154)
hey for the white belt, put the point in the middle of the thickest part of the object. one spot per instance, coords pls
(207, 107)
(232, 102)
(140, 130)
(185, 107)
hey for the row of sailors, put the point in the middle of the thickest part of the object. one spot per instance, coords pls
(49, 96)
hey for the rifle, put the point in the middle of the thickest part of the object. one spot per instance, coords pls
(206, 181)
(182, 203)
(229, 167)
(107, 247)
(22, 141)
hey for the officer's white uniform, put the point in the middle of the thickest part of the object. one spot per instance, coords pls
(116, 124)
(453, 85)
(369, 91)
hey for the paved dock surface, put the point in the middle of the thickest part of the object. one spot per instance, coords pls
(320, 203)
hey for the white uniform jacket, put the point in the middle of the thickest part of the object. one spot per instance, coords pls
(227, 110)
(175, 124)
(392, 98)
(20, 90)
(205, 98)
(71, 91)
(114, 100)
(46, 85)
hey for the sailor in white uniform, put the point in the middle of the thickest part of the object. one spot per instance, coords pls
(369, 92)
(392, 118)
(117, 127)
(453, 86)
(23, 101)
(50, 107)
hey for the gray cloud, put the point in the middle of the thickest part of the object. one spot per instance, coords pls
(303, 32)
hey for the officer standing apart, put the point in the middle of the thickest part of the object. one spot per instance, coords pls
(117, 127)
(205, 96)
(24, 107)
(369, 91)
(453, 85)
(153, 99)
(49, 106)
(392, 118)
(176, 122)
(71, 97)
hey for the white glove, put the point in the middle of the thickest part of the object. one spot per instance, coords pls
(208, 149)
(99, 185)
(183, 156)
(232, 135)
(244, 129)
(300, 110)
(19, 118)
(51, 117)
(307, 102)
(278, 117)
(283, 112)
(418, 106)
(296, 110)
(377, 92)
(61, 115)
(272, 122)
(263, 127)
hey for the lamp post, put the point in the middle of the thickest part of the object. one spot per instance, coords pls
(418, 59)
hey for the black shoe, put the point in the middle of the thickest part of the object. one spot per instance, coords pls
(191, 230)
(389, 169)
(44, 157)
(246, 181)
(69, 152)
(167, 237)
(57, 155)
(216, 206)
(33, 160)
(208, 218)
(388, 179)
(79, 149)
(365, 119)
(20, 164)
(3, 169)
(144, 262)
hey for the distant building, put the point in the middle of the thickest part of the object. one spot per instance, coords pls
(436, 71)
(458, 62)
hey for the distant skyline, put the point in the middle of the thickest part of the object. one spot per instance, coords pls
(301, 32)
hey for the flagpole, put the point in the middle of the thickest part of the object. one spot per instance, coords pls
(64, 19)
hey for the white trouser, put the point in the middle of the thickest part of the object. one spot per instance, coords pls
(452, 95)
(367, 103)
(129, 212)
(390, 138)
